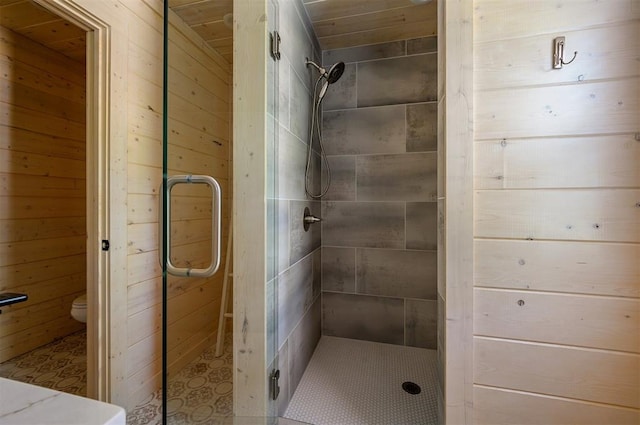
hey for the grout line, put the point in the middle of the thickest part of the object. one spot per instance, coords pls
(355, 270)
(404, 320)
(422, 102)
(404, 222)
(356, 86)
(355, 178)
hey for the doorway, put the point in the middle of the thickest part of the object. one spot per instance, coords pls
(45, 198)
(54, 175)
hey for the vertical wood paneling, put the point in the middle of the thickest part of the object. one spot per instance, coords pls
(249, 126)
(556, 213)
(42, 204)
(457, 219)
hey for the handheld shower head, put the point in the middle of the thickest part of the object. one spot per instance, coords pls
(334, 73)
(330, 77)
(323, 91)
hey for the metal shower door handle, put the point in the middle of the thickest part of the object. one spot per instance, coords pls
(215, 226)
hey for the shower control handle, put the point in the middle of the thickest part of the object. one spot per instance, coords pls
(309, 219)
(312, 219)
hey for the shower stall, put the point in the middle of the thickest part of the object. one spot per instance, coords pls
(363, 273)
(384, 237)
(322, 220)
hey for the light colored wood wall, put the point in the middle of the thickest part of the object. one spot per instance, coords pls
(42, 192)
(31, 20)
(455, 208)
(250, 209)
(556, 217)
(133, 118)
(199, 143)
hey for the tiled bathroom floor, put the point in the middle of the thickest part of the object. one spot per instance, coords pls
(60, 365)
(347, 382)
(351, 382)
(201, 393)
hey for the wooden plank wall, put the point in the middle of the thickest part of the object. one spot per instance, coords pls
(557, 213)
(199, 143)
(455, 210)
(250, 388)
(42, 192)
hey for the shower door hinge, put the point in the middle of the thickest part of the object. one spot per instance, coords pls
(105, 245)
(273, 384)
(275, 45)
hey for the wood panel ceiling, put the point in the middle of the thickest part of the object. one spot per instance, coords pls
(38, 24)
(337, 23)
(348, 23)
(206, 17)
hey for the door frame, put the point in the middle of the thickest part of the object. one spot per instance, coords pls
(99, 183)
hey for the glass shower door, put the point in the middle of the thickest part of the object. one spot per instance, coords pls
(197, 380)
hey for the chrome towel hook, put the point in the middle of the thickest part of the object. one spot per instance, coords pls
(558, 53)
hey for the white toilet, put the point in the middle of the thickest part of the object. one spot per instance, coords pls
(79, 308)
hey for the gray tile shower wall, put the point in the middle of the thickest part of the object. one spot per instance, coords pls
(396, 273)
(400, 177)
(400, 80)
(379, 229)
(294, 256)
(363, 224)
(377, 319)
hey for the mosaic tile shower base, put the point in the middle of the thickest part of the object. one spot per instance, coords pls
(201, 393)
(60, 365)
(351, 382)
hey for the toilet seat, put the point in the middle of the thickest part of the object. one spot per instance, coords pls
(79, 308)
(80, 302)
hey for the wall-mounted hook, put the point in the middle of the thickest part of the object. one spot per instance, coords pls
(558, 53)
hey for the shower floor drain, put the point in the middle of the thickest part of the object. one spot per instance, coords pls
(411, 387)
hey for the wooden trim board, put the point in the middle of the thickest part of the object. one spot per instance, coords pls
(249, 209)
(105, 364)
(456, 162)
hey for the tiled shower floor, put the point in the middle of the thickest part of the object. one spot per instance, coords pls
(351, 382)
